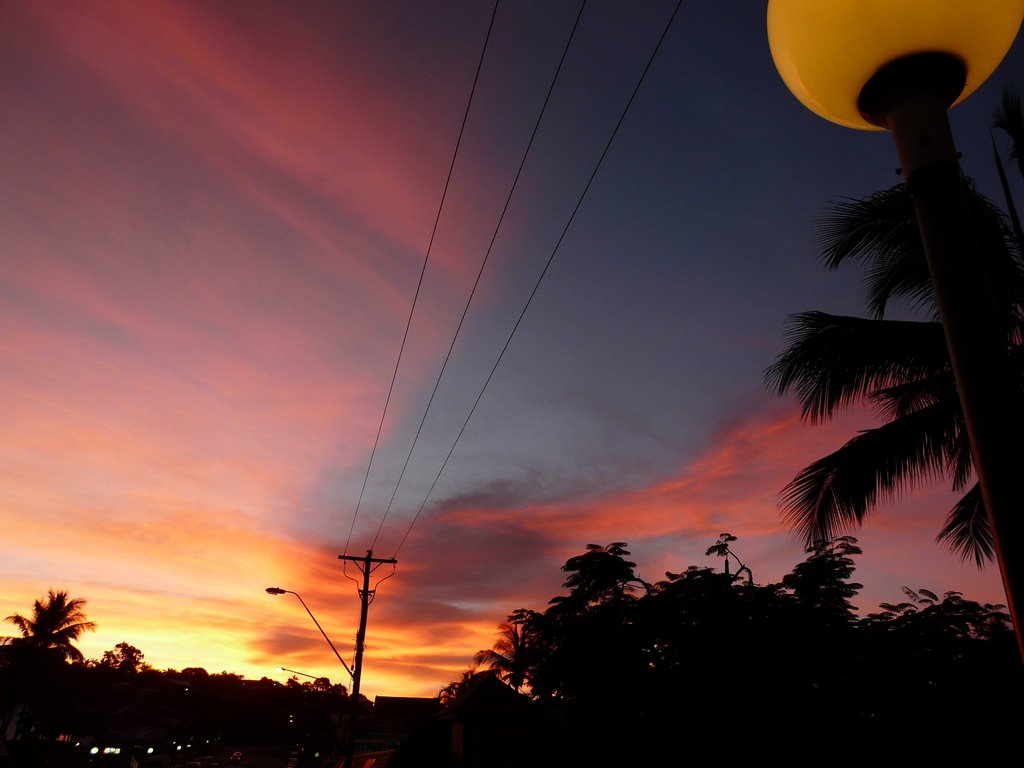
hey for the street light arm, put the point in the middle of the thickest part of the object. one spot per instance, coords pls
(296, 672)
(347, 669)
(279, 591)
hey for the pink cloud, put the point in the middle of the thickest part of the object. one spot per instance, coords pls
(258, 103)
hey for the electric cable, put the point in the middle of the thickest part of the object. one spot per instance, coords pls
(547, 265)
(487, 255)
(419, 284)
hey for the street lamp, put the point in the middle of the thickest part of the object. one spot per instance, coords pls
(900, 65)
(279, 591)
(352, 702)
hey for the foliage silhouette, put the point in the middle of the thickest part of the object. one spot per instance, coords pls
(599, 575)
(587, 629)
(900, 368)
(710, 654)
(124, 658)
(450, 693)
(821, 582)
(509, 655)
(55, 624)
(721, 549)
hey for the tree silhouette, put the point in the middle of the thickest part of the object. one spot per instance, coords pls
(55, 624)
(590, 628)
(509, 657)
(37, 682)
(821, 582)
(124, 658)
(1009, 119)
(900, 368)
(598, 575)
(721, 549)
(451, 692)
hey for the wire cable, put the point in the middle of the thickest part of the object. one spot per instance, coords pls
(419, 284)
(544, 272)
(487, 255)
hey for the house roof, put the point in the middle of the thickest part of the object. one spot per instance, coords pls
(485, 696)
(404, 707)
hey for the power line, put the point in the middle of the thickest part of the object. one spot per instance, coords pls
(547, 265)
(419, 284)
(487, 255)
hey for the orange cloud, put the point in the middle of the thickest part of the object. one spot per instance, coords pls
(184, 580)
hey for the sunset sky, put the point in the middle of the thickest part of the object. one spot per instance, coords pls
(214, 217)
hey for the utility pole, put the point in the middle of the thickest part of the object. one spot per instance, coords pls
(367, 565)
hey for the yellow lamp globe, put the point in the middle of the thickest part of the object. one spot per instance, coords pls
(827, 51)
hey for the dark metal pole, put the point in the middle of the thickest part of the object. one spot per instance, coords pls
(367, 565)
(910, 98)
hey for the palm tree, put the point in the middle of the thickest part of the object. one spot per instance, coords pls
(55, 624)
(901, 368)
(1009, 118)
(509, 656)
(448, 695)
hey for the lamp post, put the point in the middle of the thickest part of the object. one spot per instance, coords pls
(353, 702)
(900, 65)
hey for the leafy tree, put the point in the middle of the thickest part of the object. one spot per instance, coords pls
(901, 368)
(321, 685)
(55, 624)
(588, 629)
(598, 575)
(721, 549)
(124, 658)
(939, 659)
(931, 621)
(704, 653)
(823, 622)
(821, 582)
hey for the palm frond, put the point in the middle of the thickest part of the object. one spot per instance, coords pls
(1004, 184)
(1010, 119)
(903, 369)
(23, 624)
(835, 492)
(489, 658)
(961, 462)
(835, 360)
(880, 231)
(904, 399)
(999, 247)
(907, 397)
(967, 531)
